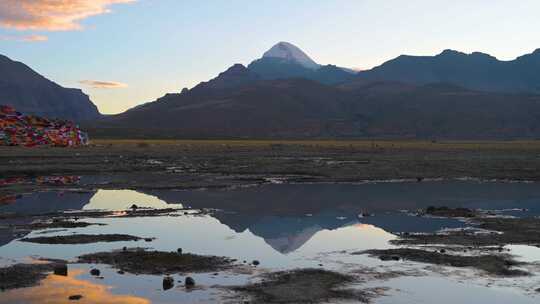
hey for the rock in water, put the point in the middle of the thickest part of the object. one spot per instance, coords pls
(168, 282)
(95, 272)
(190, 282)
(75, 297)
(61, 270)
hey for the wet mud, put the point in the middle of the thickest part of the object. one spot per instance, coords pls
(140, 261)
(81, 239)
(303, 286)
(498, 265)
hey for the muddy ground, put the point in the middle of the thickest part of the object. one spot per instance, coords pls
(55, 224)
(303, 286)
(141, 261)
(82, 239)
(489, 232)
(207, 164)
(499, 265)
(26, 275)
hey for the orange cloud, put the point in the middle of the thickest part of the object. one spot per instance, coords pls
(29, 38)
(51, 15)
(34, 38)
(98, 84)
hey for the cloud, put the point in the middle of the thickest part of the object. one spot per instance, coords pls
(34, 38)
(51, 15)
(98, 84)
(29, 38)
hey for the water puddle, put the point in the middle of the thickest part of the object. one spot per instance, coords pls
(282, 226)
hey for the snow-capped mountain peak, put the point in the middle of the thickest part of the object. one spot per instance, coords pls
(291, 53)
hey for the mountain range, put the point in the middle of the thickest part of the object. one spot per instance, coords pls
(286, 94)
(31, 93)
(477, 71)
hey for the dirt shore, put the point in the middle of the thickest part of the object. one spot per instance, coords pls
(303, 286)
(82, 239)
(140, 261)
(498, 265)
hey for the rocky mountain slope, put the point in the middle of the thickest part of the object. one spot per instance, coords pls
(31, 93)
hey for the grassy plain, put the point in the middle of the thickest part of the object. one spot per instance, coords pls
(187, 164)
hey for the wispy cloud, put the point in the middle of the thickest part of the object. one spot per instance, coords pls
(98, 84)
(29, 38)
(51, 15)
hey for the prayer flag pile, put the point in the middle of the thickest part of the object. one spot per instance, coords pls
(17, 129)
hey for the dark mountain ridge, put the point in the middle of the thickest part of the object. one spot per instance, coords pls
(31, 93)
(300, 108)
(280, 108)
(477, 71)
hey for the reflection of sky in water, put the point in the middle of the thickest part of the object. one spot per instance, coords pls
(120, 289)
(206, 235)
(429, 290)
(57, 289)
(124, 199)
(525, 253)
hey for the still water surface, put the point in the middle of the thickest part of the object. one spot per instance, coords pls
(283, 226)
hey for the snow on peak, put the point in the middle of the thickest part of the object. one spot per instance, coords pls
(291, 53)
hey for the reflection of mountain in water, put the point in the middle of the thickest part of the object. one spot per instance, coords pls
(288, 244)
(285, 234)
(277, 213)
(40, 203)
(300, 199)
(48, 202)
(400, 222)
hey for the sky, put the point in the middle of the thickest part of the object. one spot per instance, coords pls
(126, 52)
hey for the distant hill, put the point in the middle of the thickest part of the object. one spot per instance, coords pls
(300, 108)
(281, 108)
(31, 93)
(475, 71)
(444, 111)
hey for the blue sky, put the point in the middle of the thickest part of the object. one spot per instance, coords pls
(160, 46)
